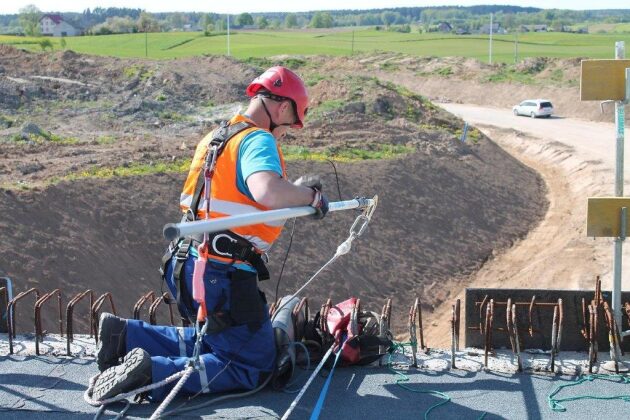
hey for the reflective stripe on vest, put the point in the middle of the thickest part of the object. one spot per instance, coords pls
(226, 199)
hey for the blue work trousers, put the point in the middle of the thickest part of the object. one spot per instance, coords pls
(230, 360)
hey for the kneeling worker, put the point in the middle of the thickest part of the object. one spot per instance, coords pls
(238, 351)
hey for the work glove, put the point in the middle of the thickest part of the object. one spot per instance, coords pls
(320, 202)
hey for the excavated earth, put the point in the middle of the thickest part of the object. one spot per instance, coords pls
(72, 126)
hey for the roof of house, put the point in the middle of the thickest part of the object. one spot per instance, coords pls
(52, 385)
(55, 18)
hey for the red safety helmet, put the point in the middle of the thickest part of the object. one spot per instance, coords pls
(282, 82)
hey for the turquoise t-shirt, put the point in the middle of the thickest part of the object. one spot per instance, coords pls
(257, 152)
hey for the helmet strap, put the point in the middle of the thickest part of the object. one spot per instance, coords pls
(272, 123)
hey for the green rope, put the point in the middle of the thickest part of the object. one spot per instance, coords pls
(404, 378)
(555, 403)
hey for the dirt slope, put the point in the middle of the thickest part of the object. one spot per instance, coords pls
(445, 206)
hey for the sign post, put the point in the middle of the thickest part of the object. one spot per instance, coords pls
(619, 123)
(607, 80)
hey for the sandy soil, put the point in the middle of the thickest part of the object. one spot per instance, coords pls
(556, 254)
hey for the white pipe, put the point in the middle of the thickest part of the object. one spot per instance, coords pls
(177, 230)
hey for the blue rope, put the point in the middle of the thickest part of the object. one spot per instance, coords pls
(322, 395)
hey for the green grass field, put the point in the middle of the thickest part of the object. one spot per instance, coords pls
(270, 43)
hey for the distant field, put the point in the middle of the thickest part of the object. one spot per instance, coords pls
(337, 42)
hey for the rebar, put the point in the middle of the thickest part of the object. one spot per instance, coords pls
(300, 311)
(508, 321)
(517, 344)
(457, 322)
(613, 336)
(140, 303)
(592, 338)
(97, 307)
(70, 314)
(153, 308)
(453, 339)
(39, 333)
(488, 331)
(554, 338)
(11, 314)
(413, 338)
(385, 324)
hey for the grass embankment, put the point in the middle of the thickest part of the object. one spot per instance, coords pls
(339, 43)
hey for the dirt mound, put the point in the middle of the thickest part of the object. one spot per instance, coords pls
(445, 205)
(439, 220)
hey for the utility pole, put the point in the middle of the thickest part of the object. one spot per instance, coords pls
(352, 51)
(490, 54)
(228, 34)
(515, 47)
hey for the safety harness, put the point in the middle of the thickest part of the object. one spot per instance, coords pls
(225, 244)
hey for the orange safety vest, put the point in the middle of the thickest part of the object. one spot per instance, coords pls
(226, 199)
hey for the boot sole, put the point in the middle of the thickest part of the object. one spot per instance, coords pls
(120, 379)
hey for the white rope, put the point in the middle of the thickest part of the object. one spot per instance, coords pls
(157, 413)
(307, 384)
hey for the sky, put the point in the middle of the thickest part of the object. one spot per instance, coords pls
(240, 6)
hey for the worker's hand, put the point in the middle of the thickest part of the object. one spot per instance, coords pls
(320, 204)
(311, 181)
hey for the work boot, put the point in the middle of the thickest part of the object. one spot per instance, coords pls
(134, 372)
(111, 346)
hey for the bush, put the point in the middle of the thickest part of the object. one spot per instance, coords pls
(46, 44)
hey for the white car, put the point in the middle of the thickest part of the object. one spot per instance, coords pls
(534, 108)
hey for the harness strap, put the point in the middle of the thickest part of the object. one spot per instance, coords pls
(224, 244)
(220, 138)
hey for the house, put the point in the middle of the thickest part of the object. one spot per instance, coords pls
(540, 28)
(444, 27)
(485, 29)
(54, 25)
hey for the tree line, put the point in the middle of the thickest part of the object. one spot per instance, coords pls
(125, 20)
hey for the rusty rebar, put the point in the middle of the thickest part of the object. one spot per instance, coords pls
(39, 333)
(153, 308)
(70, 314)
(613, 335)
(488, 330)
(584, 328)
(517, 343)
(626, 306)
(384, 329)
(140, 303)
(11, 314)
(554, 338)
(272, 309)
(457, 322)
(324, 317)
(413, 338)
(97, 307)
(530, 325)
(300, 310)
(453, 338)
(598, 291)
(592, 338)
(560, 324)
(508, 321)
(481, 313)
